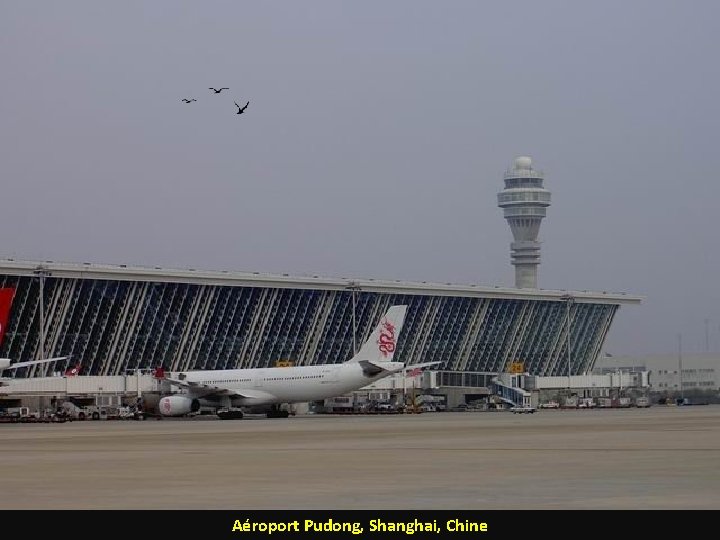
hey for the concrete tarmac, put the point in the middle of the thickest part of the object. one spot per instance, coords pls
(656, 458)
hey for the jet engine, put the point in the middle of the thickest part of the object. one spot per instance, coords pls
(178, 405)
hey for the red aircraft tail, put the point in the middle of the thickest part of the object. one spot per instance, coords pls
(75, 370)
(6, 298)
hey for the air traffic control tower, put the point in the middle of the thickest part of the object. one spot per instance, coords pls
(524, 201)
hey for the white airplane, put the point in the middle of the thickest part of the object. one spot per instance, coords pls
(233, 388)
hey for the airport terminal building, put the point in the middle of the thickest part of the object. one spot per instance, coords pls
(111, 319)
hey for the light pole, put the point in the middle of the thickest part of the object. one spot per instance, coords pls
(707, 335)
(42, 273)
(568, 303)
(354, 287)
(682, 395)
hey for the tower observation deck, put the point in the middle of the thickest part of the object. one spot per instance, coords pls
(524, 201)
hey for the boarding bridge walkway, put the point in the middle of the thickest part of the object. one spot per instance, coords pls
(507, 388)
(80, 385)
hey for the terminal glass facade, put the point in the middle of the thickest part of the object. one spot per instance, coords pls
(110, 326)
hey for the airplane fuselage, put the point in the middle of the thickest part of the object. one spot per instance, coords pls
(289, 384)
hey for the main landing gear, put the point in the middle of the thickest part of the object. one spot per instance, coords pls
(277, 412)
(230, 414)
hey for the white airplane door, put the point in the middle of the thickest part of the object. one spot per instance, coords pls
(259, 379)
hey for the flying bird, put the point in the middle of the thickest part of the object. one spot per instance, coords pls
(218, 90)
(241, 109)
(189, 100)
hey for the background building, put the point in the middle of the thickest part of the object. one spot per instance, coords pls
(700, 372)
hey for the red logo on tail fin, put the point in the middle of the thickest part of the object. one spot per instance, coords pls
(159, 372)
(6, 298)
(75, 370)
(387, 338)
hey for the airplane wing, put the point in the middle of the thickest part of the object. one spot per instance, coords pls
(18, 365)
(208, 390)
(373, 368)
(424, 364)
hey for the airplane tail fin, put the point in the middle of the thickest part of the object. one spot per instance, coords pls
(6, 298)
(382, 343)
(73, 371)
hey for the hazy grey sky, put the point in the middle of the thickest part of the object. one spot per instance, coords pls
(375, 142)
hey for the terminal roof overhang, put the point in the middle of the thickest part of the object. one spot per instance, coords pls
(285, 281)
